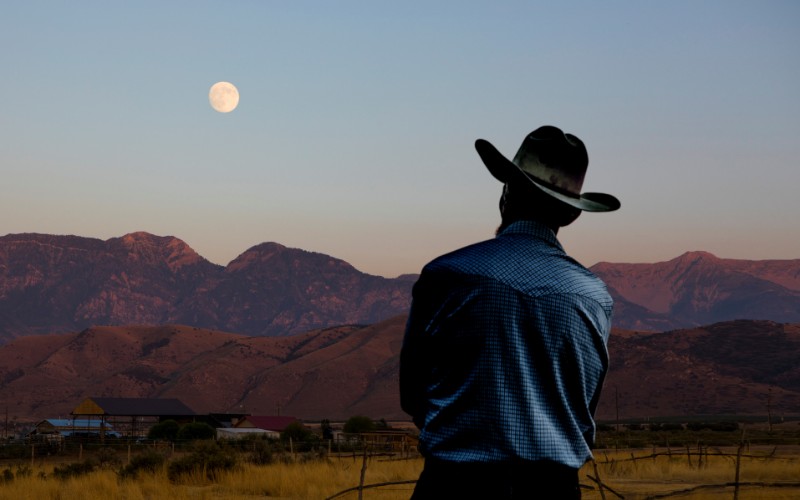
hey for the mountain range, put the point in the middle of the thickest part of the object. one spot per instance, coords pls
(60, 284)
(738, 367)
(146, 316)
(698, 289)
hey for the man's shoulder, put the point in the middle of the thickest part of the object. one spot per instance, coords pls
(532, 268)
(467, 259)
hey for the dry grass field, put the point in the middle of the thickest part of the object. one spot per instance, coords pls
(634, 474)
(767, 473)
(310, 480)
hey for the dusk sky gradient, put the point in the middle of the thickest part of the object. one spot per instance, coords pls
(355, 127)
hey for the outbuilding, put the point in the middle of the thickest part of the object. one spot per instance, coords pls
(132, 417)
(56, 429)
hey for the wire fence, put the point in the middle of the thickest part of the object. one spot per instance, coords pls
(639, 465)
(616, 472)
(626, 470)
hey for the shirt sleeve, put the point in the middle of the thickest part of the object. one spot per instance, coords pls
(414, 364)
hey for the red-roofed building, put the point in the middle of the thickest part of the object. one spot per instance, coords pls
(272, 424)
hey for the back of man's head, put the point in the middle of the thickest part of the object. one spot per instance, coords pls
(524, 201)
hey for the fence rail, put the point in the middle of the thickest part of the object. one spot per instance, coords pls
(698, 459)
(610, 476)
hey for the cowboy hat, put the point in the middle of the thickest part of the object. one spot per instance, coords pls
(554, 162)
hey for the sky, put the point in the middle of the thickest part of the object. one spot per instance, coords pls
(355, 127)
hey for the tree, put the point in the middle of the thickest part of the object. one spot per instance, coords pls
(358, 424)
(196, 430)
(164, 431)
(297, 432)
(327, 429)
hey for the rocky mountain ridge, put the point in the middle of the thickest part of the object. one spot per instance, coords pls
(60, 284)
(698, 288)
(56, 284)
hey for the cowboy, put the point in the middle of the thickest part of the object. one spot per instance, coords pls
(504, 353)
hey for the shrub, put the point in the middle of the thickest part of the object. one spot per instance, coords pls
(327, 429)
(107, 457)
(8, 475)
(164, 431)
(358, 424)
(23, 470)
(206, 458)
(15, 451)
(196, 430)
(713, 426)
(75, 470)
(297, 432)
(262, 453)
(666, 427)
(149, 461)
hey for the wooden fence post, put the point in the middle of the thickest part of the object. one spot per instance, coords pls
(599, 481)
(738, 467)
(363, 475)
(699, 455)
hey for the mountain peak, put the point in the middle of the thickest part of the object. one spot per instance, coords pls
(154, 249)
(696, 256)
(268, 248)
(282, 256)
(139, 236)
(257, 253)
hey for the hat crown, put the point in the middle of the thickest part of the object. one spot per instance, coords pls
(555, 159)
(554, 162)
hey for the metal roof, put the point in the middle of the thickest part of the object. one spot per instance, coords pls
(77, 423)
(134, 407)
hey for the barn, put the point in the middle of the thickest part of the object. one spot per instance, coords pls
(131, 417)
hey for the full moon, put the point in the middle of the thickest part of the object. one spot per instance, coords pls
(223, 97)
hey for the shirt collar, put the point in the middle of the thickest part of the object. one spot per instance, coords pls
(532, 228)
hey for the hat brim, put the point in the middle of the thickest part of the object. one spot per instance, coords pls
(505, 170)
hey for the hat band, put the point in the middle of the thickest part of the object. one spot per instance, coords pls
(540, 183)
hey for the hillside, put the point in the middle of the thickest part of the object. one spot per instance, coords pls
(736, 367)
(732, 367)
(698, 288)
(327, 373)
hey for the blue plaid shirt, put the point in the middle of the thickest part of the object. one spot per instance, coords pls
(505, 351)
